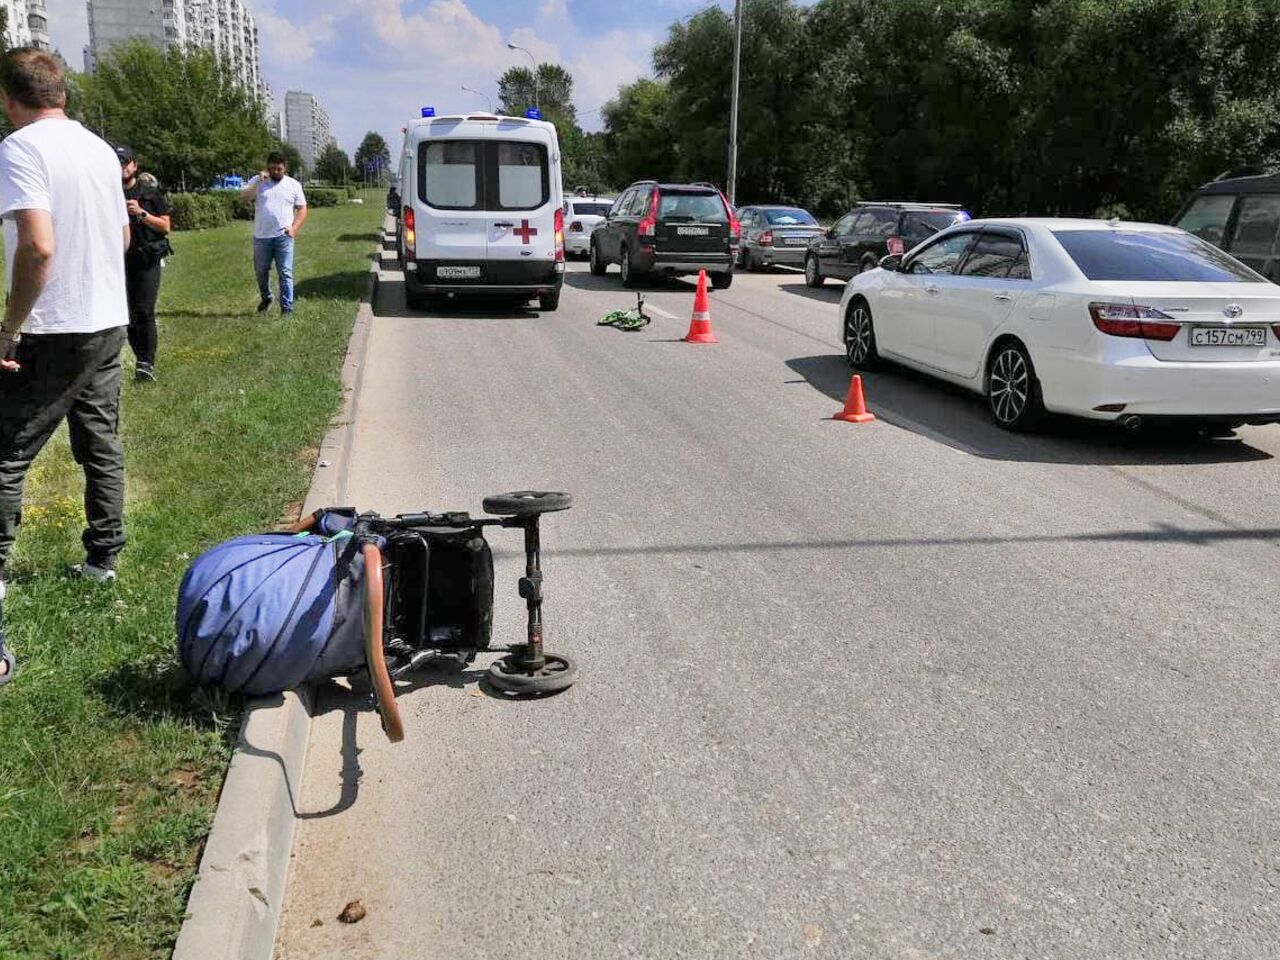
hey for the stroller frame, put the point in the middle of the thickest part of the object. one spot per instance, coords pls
(526, 669)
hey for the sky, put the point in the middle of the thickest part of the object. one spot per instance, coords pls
(375, 63)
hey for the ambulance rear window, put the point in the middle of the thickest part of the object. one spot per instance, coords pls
(523, 183)
(483, 175)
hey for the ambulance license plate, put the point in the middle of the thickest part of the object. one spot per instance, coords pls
(458, 273)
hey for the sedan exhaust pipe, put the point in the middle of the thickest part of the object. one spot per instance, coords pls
(1132, 422)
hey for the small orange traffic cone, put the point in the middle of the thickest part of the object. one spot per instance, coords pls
(855, 407)
(700, 325)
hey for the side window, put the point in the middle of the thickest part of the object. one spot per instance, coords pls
(522, 176)
(1207, 217)
(941, 256)
(861, 224)
(880, 223)
(1001, 256)
(1256, 225)
(620, 205)
(844, 226)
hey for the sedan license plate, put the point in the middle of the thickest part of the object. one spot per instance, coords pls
(692, 231)
(794, 241)
(1228, 336)
(458, 273)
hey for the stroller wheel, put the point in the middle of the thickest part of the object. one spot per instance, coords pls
(526, 503)
(509, 676)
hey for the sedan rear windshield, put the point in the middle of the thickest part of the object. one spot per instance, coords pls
(1135, 255)
(790, 218)
(700, 207)
(591, 209)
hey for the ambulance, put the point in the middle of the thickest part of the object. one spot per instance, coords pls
(481, 209)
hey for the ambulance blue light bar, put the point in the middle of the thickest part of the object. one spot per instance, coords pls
(533, 113)
(428, 111)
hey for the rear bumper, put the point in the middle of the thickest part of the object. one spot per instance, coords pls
(500, 277)
(577, 243)
(1155, 388)
(784, 256)
(682, 263)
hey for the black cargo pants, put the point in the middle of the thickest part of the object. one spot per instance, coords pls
(75, 376)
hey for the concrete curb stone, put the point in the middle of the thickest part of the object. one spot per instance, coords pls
(234, 908)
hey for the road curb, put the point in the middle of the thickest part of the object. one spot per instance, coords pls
(235, 904)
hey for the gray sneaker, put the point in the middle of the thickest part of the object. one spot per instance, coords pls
(91, 571)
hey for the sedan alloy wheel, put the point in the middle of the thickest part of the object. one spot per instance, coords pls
(1013, 391)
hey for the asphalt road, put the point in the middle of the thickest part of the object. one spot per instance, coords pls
(912, 689)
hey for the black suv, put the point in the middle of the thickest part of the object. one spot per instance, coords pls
(871, 231)
(1240, 213)
(668, 228)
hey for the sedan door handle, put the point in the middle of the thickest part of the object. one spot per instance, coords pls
(503, 223)
(1003, 297)
(931, 290)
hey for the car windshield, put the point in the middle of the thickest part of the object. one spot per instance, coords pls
(702, 207)
(591, 208)
(791, 217)
(1136, 255)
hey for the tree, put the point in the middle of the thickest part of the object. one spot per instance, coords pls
(553, 94)
(639, 134)
(292, 157)
(372, 157)
(183, 111)
(332, 164)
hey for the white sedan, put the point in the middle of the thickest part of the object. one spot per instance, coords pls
(1100, 319)
(581, 217)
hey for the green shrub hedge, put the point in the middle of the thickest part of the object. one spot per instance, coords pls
(200, 211)
(325, 196)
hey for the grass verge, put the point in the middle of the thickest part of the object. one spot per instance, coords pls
(110, 764)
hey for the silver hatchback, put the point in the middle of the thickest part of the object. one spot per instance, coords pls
(775, 235)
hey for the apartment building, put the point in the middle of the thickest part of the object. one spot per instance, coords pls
(26, 23)
(223, 26)
(306, 126)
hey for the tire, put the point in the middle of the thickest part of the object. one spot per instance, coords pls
(860, 337)
(748, 262)
(812, 273)
(558, 674)
(597, 265)
(1013, 392)
(629, 276)
(549, 302)
(722, 281)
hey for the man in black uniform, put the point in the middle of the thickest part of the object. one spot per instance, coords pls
(149, 218)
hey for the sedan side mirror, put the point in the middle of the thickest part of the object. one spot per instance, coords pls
(892, 263)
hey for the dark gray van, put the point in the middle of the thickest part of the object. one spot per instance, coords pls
(1241, 215)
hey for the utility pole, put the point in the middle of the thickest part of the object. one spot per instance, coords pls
(733, 110)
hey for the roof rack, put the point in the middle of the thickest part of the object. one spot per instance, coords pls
(1253, 170)
(908, 203)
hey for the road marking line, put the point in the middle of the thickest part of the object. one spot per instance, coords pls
(653, 308)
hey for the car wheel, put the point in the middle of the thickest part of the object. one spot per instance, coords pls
(860, 337)
(597, 265)
(812, 275)
(722, 281)
(549, 301)
(1012, 388)
(628, 275)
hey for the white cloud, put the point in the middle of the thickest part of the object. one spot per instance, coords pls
(554, 9)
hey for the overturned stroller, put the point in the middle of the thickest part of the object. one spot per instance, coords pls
(348, 591)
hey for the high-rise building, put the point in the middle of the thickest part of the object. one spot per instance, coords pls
(306, 126)
(224, 26)
(26, 23)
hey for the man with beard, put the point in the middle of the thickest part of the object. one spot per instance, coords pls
(149, 217)
(280, 210)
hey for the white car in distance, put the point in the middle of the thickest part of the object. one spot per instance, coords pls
(581, 217)
(1092, 318)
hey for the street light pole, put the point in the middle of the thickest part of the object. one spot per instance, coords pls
(733, 109)
(512, 46)
(488, 98)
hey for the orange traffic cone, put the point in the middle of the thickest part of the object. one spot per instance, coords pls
(855, 407)
(700, 325)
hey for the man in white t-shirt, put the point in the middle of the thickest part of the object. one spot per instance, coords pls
(280, 209)
(66, 230)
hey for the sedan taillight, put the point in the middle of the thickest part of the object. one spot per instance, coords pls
(1131, 320)
(1275, 328)
(765, 239)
